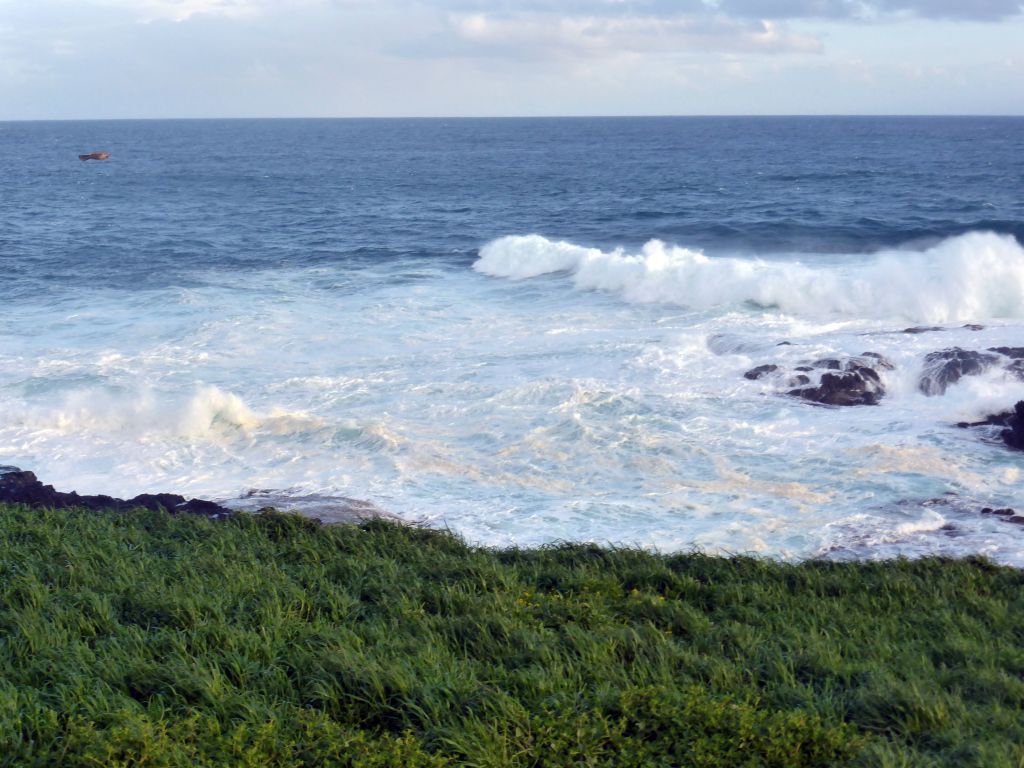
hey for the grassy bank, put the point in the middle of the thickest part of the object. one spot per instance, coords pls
(144, 639)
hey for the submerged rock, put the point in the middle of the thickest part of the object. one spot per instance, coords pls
(762, 370)
(948, 366)
(94, 156)
(21, 487)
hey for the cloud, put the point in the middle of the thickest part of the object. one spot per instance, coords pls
(976, 10)
(183, 10)
(602, 36)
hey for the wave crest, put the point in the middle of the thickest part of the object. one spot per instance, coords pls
(979, 275)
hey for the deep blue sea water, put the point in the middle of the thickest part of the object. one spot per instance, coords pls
(524, 329)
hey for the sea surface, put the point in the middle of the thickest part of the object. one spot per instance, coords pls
(523, 330)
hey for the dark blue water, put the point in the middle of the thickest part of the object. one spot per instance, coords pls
(249, 193)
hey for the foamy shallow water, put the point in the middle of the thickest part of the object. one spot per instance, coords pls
(549, 391)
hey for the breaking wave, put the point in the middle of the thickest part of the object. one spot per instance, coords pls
(208, 412)
(975, 276)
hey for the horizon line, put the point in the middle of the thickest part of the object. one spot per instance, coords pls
(812, 115)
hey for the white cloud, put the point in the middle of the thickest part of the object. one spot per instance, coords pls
(183, 10)
(526, 35)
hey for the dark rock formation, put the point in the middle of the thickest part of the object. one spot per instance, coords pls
(998, 512)
(878, 361)
(853, 381)
(974, 327)
(948, 366)
(19, 487)
(923, 329)
(762, 370)
(94, 156)
(1015, 353)
(860, 386)
(1013, 435)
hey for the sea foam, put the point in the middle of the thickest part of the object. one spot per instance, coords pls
(976, 276)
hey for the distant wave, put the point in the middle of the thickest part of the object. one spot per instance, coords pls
(979, 275)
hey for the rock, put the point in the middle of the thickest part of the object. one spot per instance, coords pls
(20, 487)
(784, 344)
(923, 329)
(1013, 435)
(998, 512)
(762, 370)
(858, 387)
(948, 366)
(878, 361)
(1016, 368)
(330, 510)
(850, 381)
(974, 327)
(94, 156)
(1016, 519)
(1016, 353)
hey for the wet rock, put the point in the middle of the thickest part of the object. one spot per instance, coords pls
(1016, 519)
(948, 366)
(1016, 368)
(94, 156)
(923, 329)
(1013, 435)
(974, 327)
(762, 370)
(21, 487)
(1015, 353)
(784, 344)
(1012, 422)
(329, 510)
(878, 361)
(998, 512)
(858, 387)
(850, 381)
(952, 531)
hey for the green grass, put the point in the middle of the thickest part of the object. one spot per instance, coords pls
(151, 640)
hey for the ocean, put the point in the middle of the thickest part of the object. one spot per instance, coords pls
(525, 330)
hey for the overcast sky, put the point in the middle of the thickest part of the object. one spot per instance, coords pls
(289, 58)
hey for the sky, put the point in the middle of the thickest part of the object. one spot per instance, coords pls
(84, 59)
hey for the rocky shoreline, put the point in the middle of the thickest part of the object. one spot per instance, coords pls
(18, 486)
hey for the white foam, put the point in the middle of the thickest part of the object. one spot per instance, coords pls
(208, 412)
(528, 416)
(976, 276)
